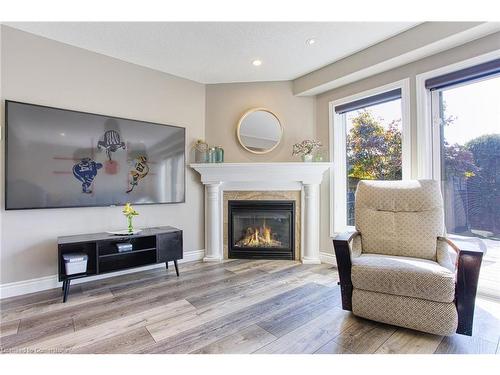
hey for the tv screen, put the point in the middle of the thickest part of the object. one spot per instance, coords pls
(61, 158)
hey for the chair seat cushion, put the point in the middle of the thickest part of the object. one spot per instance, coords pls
(403, 276)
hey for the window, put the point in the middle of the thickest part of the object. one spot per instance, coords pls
(369, 142)
(466, 157)
(469, 156)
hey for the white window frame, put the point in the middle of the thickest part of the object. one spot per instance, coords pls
(428, 135)
(337, 140)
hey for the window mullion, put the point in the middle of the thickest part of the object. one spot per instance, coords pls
(436, 121)
(340, 173)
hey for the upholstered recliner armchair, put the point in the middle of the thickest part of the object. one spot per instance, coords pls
(399, 268)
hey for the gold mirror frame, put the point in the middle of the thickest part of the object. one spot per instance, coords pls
(246, 114)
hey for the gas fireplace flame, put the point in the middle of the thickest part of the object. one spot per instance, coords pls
(258, 237)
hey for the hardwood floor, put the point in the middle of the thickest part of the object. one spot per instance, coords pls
(239, 306)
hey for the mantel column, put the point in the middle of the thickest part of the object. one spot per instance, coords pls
(310, 253)
(213, 222)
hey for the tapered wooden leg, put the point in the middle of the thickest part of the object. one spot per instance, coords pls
(66, 290)
(166, 265)
(176, 268)
(64, 285)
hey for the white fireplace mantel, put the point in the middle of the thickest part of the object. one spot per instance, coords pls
(305, 177)
(306, 173)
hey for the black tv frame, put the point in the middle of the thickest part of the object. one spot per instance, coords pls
(6, 163)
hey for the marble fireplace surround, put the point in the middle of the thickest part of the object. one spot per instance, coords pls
(224, 181)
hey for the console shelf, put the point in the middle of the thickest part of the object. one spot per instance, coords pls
(126, 252)
(152, 245)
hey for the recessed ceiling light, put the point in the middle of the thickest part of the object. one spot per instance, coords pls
(310, 42)
(257, 63)
(62, 134)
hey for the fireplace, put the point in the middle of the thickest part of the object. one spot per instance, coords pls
(261, 229)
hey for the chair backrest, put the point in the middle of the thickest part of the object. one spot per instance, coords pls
(399, 217)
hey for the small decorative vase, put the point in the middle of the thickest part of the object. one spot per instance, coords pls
(201, 152)
(307, 158)
(219, 154)
(212, 155)
(130, 226)
(319, 156)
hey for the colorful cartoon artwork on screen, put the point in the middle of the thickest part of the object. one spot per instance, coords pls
(111, 142)
(86, 171)
(140, 169)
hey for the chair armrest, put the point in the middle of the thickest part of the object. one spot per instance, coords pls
(469, 264)
(346, 236)
(353, 240)
(342, 247)
(465, 245)
(447, 254)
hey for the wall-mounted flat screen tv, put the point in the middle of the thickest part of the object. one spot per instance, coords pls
(61, 158)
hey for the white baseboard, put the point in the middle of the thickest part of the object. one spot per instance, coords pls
(49, 282)
(327, 258)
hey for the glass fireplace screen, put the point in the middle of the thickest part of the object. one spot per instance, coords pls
(261, 226)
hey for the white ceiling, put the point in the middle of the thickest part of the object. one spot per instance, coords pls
(220, 52)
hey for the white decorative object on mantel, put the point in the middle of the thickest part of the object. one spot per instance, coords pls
(220, 177)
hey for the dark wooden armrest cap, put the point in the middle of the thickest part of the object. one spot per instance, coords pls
(344, 237)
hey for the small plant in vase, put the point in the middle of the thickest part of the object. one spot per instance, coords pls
(129, 213)
(306, 149)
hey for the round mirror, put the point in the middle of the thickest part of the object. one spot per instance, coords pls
(259, 131)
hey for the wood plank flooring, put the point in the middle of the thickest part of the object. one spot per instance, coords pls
(237, 306)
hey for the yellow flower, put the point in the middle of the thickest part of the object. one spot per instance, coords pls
(128, 210)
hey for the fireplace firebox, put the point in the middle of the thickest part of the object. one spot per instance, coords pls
(261, 229)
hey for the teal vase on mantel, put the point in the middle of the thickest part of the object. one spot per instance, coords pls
(307, 158)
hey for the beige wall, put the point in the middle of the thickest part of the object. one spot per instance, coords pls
(42, 71)
(478, 47)
(226, 103)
